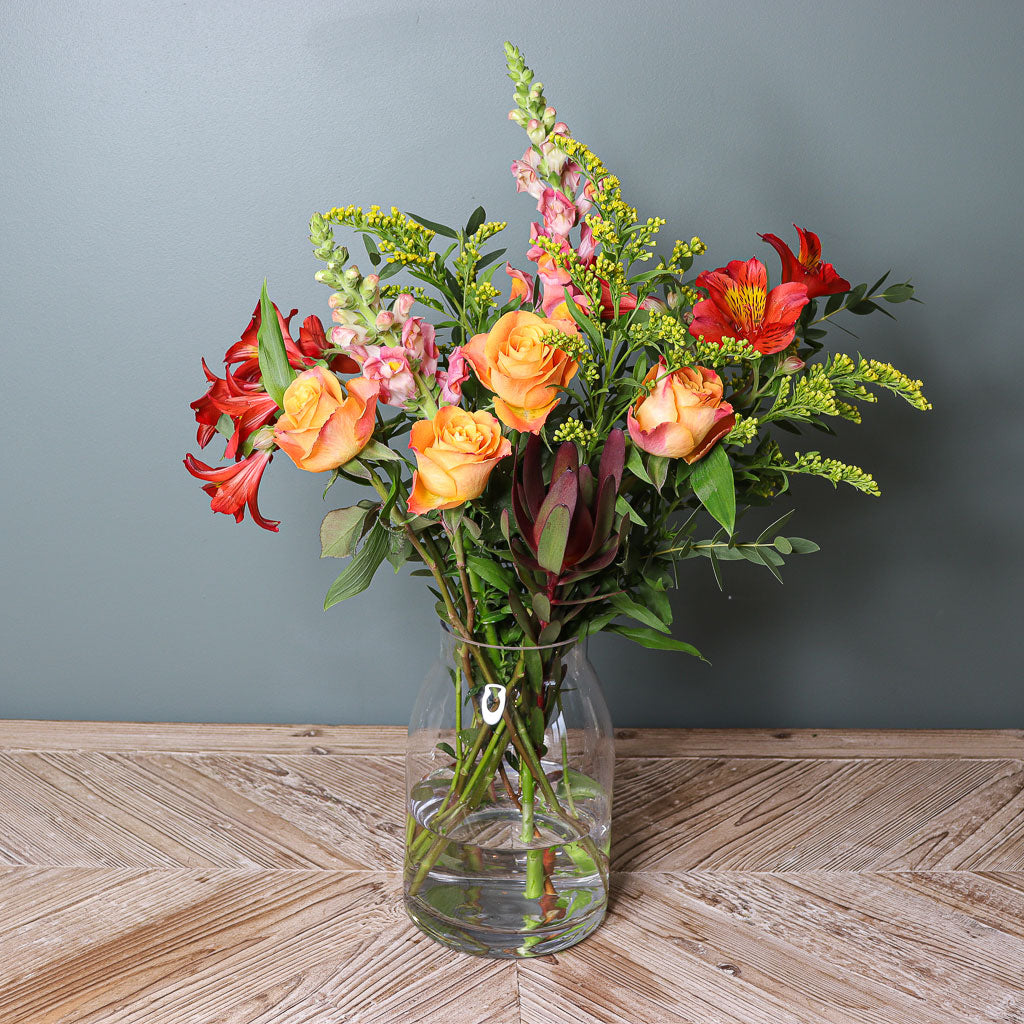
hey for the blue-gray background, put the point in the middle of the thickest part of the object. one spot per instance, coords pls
(160, 158)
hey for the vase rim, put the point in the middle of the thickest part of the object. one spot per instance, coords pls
(447, 631)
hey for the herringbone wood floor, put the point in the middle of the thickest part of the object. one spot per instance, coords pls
(192, 874)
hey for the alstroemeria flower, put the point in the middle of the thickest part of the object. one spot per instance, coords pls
(389, 368)
(807, 268)
(313, 341)
(235, 487)
(739, 305)
(245, 403)
(452, 379)
(418, 342)
(245, 352)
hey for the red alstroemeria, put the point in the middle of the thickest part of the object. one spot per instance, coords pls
(245, 352)
(245, 403)
(627, 303)
(739, 305)
(312, 342)
(807, 268)
(207, 408)
(234, 487)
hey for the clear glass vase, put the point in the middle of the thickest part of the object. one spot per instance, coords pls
(509, 783)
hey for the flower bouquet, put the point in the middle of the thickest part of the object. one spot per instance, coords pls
(546, 451)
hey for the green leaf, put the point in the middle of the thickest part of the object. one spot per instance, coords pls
(445, 748)
(542, 608)
(390, 269)
(273, 358)
(624, 508)
(341, 529)
(476, 218)
(377, 452)
(588, 325)
(225, 426)
(655, 641)
(399, 549)
(898, 292)
(440, 229)
(782, 544)
(834, 302)
(657, 469)
(551, 549)
(625, 605)
(713, 483)
(497, 575)
(486, 261)
(635, 464)
(359, 572)
(371, 250)
(801, 546)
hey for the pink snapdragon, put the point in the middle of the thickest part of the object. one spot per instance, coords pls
(525, 172)
(389, 368)
(418, 342)
(558, 211)
(452, 379)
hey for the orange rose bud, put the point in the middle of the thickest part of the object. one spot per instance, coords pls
(683, 416)
(322, 427)
(523, 372)
(455, 453)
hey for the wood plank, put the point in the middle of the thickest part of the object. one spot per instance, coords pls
(797, 815)
(163, 810)
(193, 737)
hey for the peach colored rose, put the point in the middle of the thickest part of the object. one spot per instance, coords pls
(523, 372)
(322, 427)
(455, 453)
(684, 416)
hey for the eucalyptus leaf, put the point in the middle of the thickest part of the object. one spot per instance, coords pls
(497, 575)
(803, 547)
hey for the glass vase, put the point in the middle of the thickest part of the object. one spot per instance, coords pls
(509, 784)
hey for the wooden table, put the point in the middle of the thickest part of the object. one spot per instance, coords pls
(210, 874)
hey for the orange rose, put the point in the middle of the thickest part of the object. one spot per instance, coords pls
(322, 428)
(523, 372)
(683, 416)
(455, 453)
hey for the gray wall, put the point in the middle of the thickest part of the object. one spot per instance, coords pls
(159, 159)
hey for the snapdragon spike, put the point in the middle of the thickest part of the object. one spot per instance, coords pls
(234, 488)
(567, 527)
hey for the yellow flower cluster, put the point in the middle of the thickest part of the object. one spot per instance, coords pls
(574, 430)
(731, 352)
(400, 238)
(744, 431)
(885, 375)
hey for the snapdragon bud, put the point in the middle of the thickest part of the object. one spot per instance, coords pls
(535, 130)
(792, 364)
(673, 298)
(549, 118)
(385, 320)
(369, 287)
(536, 91)
(341, 253)
(351, 275)
(342, 302)
(519, 117)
